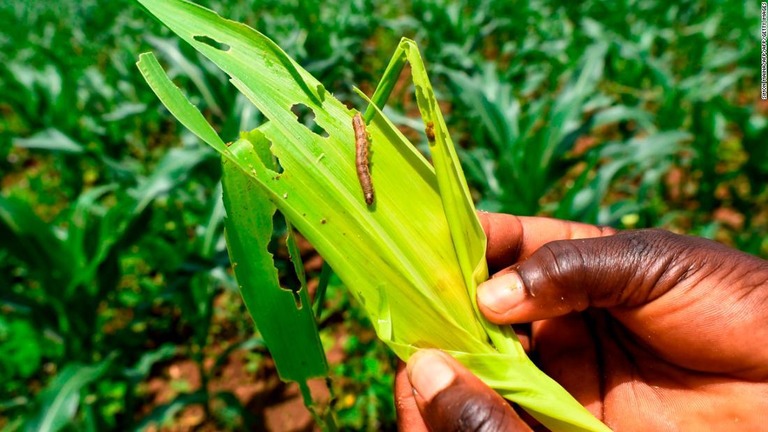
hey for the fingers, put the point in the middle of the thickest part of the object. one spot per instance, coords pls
(627, 269)
(514, 238)
(408, 416)
(696, 303)
(449, 397)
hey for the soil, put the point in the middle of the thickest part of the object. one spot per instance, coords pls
(271, 404)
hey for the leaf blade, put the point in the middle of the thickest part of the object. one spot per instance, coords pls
(283, 323)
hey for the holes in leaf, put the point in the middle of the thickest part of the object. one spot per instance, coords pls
(289, 280)
(211, 42)
(306, 116)
(277, 166)
(295, 291)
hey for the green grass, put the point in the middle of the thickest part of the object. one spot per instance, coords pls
(631, 113)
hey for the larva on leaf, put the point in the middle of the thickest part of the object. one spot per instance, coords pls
(361, 158)
(430, 131)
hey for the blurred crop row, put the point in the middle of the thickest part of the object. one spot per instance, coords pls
(113, 269)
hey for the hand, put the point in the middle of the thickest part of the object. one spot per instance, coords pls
(647, 329)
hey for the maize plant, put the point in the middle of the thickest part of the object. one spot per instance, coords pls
(413, 256)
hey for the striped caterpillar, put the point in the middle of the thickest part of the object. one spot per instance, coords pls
(361, 158)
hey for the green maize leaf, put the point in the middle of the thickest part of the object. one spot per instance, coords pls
(285, 319)
(249, 222)
(52, 140)
(467, 234)
(60, 400)
(141, 369)
(324, 214)
(170, 50)
(275, 310)
(177, 103)
(30, 238)
(414, 257)
(322, 287)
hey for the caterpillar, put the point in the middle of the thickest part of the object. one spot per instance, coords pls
(361, 158)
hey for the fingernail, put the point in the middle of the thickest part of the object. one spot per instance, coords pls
(502, 293)
(429, 373)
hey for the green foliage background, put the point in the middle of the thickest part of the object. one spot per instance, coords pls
(112, 263)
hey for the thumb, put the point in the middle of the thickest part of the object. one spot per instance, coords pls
(628, 270)
(450, 398)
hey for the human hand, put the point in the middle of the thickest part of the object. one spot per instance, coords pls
(649, 330)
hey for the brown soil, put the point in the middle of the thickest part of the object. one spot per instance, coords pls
(272, 404)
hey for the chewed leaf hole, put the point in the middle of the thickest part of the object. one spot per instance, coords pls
(296, 296)
(278, 166)
(306, 116)
(289, 280)
(211, 42)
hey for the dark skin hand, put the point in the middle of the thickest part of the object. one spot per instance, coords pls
(649, 330)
